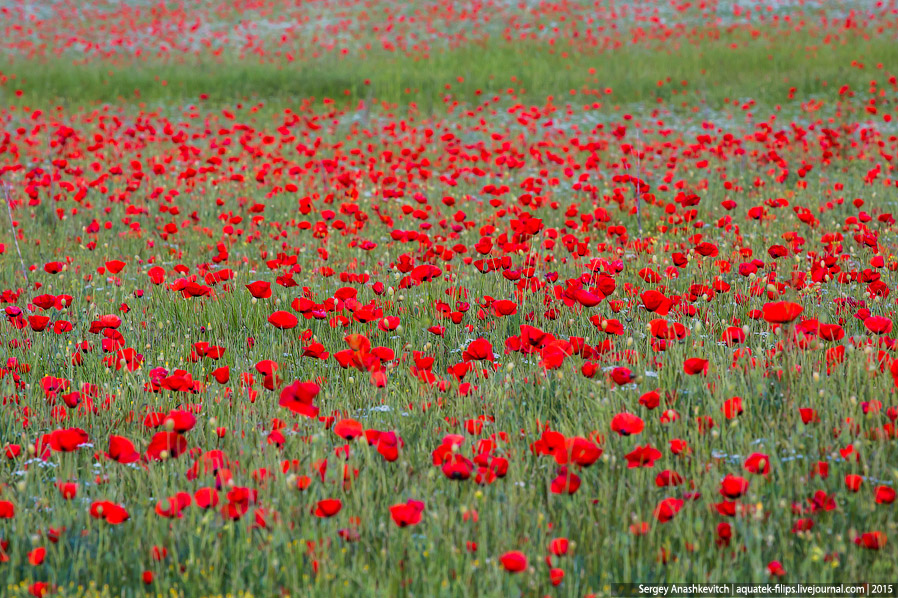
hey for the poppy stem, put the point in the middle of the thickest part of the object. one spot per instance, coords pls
(12, 230)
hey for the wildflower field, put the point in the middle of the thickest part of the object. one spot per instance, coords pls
(499, 298)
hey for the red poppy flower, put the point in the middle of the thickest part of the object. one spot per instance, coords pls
(68, 440)
(157, 275)
(283, 320)
(559, 546)
(179, 421)
(656, 302)
(110, 512)
(650, 400)
(667, 509)
(668, 478)
(348, 429)
(732, 407)
(782, 312)
(38, 323)
(458, 468)
(885, 495)
(649, 276)
(350, 534)
(327, 507)
(53, 267)
(758, 463)
(642, 456)
(724, 533)
(556, 576)
(853, 482)
(222, 374)
(503, 308)
(106, 322)
(802, 525)
(259, 289)
(115, 266)
(578, 451)
(479, 350)
(514, 561)
(820, 501)
(387, 445)
(627, 424)
(878, 324)
(39, 589)
(206, 498)
(36, 556)
(696, 365)
(871, 540)
(622, 376)
(585, 298)
(298, 398)
(808, 415)
(830, 332)
(166, 445)
(775, 569)
(565, 482)
(388, 323)
(174, 505)
(122, 450)
(68, 490)
(733, 486)
(670, 415)
(641, 528)
(408, 513)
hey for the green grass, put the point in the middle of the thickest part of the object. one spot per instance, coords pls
(760, 69)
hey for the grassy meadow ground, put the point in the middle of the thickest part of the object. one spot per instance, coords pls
(523, 300)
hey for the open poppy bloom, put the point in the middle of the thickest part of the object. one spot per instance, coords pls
(283, 320)
(782, 312)
(667, 509)
(758, 463)
(514, 561)
(695, 365)
(642, 456)
(479, 350)
(348, 429)
(407, 514)
(327, 508)
(733, 487)
(871, 540)
(885, 495)
(259, 289)
(298, 397)
(775, 569)
(110, 512)
(67, 490)
(559, 546)
(68, 440)
(627, 424)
